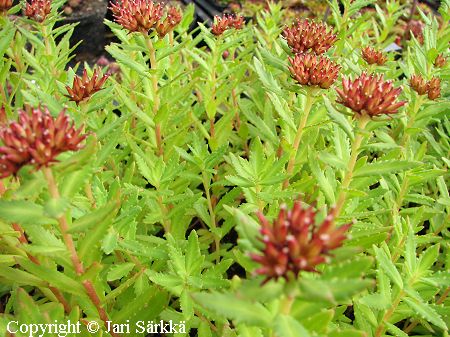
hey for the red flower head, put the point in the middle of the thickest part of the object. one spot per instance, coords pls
(306, 35)
(373, 56)
(309, 69)
(173, 18)
(36, 139)
(418, 84)
(370, 95)
(38, 10)
(294, 242)
(137, 15)
(434, 88)
(440, 61)
(84, 87)
(221, 24)
(416, 28)
(5, 5)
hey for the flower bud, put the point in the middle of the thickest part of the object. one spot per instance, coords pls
(313, 70)
(440, 61)
(295, 242)
(370, 95)
(305, 35)
(418, 84)
(38, 10)
(373, 56)
(434, 88)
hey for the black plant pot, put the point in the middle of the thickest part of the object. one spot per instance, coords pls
(90, 29)
(206, 10)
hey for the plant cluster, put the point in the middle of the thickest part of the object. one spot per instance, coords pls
(248, 179)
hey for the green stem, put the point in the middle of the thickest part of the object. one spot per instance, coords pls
(68, 241)
(156, 99)
(212, 214)
(362, 123)
(380, 329)
(293, 155)
(286, 304)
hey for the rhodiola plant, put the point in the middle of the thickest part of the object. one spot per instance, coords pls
(242, 178)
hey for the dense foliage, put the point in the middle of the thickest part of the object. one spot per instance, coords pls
(251, 179)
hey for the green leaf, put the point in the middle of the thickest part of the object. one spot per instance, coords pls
(388, 266)
(89, 246)
(234, 308)
(287, 326)
(20, 277)
(53, 277)
(194, 259)
(55, 208)
(428, 258)
(318, 322)
(93, 218)
(340, 119)
(24, 213)
(266, 78)
(347, 333)
(331, 291)
(74, 181)
(384, 167)
(425, 311)
(118, 271)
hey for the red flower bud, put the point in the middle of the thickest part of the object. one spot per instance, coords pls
(221, 24)
(305, 35)
(418, 84)
(434, 88)
(294, 242)
(84, 87)
(373, 56)
(172, 19)
(440, 61)
(36, 138)
(38, 10)
(137, 15)
(5, 5)
(370, 95)
(313, 70)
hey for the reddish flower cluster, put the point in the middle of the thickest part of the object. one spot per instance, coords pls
(415, 27)
(221, 24)
(370, 95)
(5, 5)
(137, 15)
(309, 69)
(36, 138)
(84, 87)
(305, 35)
(294, 242)
(418, 84)
(432, 88)
(38, 10)
(373, 56)
(440, 61)
(173, 18)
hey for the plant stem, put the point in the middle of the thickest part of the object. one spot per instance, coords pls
(211, 211)
(68, 240)
(293, 155)
(156, 99)
(54, 192)
(23, 240)
(362, 123)
(286, 304)
(380, 329)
